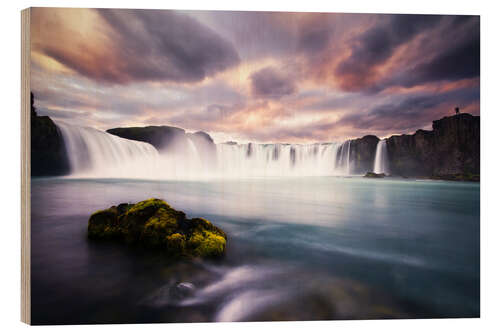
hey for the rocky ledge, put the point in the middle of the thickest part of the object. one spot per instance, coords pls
(154, 224)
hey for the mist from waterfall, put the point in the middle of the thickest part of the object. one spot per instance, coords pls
(381, 164)
(260, 160)
(96, 154)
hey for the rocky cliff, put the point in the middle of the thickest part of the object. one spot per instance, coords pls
(48, 153)
(451, 148)
(362, 154)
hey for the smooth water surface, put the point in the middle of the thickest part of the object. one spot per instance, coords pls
(298, 249)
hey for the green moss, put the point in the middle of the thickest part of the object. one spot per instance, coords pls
(201, 224)
(163, 219)
(176, 244)
(154, 224)
(103, 224)
(147, 204)
(208, 244)
(162, 224)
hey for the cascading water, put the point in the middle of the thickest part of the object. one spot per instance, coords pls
(94, 153)
(279, 160)
(381, 164)
(343, 164)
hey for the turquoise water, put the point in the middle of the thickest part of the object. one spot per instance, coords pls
(348, 248)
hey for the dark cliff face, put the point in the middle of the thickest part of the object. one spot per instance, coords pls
(452, 147)
(48, 153)
(362, 154)
(161, 137)
(411, 155)
(457, 144)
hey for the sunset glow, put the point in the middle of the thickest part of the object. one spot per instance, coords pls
(254, 76)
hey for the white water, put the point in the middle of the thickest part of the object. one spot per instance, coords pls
(94, 153)
(261, 160)
(381, 164)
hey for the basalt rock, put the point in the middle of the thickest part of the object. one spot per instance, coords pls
(48, 152)
(451, 148)
(362, 154)
(154, 224)
(374, 175)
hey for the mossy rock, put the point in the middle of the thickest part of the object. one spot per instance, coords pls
(154, 224)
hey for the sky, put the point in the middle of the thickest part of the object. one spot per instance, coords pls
(254, 76)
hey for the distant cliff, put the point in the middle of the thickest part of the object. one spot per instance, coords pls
(449, 151)
(171, 139)
(452, 147)
(161, 137)
(48, 153)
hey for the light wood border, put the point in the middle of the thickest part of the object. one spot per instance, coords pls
(25, 167)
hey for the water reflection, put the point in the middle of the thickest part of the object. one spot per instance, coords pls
(334, 244)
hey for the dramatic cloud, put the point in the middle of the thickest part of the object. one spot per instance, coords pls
(376, 45)
(145, 45)
(315, 34)
(458, 59)
(409, 112)
(254, 76)
(268, 82)
(431, 59)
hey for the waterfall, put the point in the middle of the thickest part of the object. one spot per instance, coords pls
(278, 159)
(343, 164)
(93, 153)
(381, 164)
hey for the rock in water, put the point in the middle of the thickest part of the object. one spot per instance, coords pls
(374, 175)
(182, 290)
(154, 224)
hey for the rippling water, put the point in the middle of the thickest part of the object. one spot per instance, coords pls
(298, 249)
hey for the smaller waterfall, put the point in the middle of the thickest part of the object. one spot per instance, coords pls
(343, 163)
(381, 164)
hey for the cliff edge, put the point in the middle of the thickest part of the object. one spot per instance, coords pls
(452, 147)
